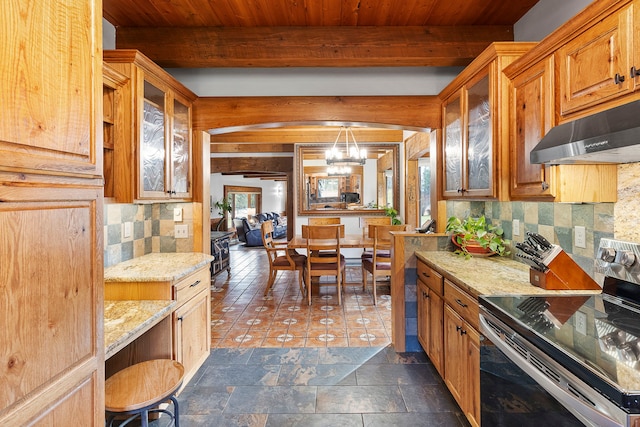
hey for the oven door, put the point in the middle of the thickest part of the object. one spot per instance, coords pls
(521, 386)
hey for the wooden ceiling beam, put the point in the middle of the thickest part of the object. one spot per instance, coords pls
(417, 113)
(391, 46)
(239, 165)
(247, 147)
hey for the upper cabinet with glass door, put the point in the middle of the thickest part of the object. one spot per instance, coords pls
(160, 124)
(474, 153)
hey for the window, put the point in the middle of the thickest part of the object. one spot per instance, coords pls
(245, 202)
(424, 174)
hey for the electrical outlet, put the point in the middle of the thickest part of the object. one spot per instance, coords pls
(181, 231)
(177, 214)
(516, 227)
(581, 322)
(127, 229)
(580, 236)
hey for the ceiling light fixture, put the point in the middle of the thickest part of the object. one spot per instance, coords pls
(352, 155)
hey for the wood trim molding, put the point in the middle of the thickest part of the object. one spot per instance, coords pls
(417, 113)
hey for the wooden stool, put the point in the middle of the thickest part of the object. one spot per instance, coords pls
(140, 388)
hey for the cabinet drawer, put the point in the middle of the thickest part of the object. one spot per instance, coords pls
(430, 277)
(186, 288)
(462, 303)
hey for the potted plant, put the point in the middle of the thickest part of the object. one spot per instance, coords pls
(223, 207)
(474, 236)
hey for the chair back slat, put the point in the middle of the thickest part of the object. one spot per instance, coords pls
(367, 222)
(328, 231)
(382, 238)
(324, 221)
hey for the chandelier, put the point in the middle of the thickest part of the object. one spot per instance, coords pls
(351, 156)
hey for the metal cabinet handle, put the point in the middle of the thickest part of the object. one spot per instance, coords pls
(617, 79)
(461, 303)
(545, 186)
(463, 331)
(425, 274)
(196, 283)
(634, 72)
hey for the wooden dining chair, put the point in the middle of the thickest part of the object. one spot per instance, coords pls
(379, 264)
(324, 257)
(305, 229)
(367, 221)
(324, 221)
(281, 258)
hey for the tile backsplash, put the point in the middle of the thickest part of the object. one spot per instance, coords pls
(151, 230)
(556, 221)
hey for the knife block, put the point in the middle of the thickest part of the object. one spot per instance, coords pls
(563, 273)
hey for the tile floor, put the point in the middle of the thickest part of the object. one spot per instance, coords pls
(276, 361)
(328, 386)
(243, 317)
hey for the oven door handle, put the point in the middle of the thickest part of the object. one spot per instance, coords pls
(586, 413)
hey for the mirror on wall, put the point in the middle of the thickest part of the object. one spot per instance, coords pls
(356, 192)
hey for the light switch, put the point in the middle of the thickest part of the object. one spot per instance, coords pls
(127, 229)
(516, 227)
(580, 236)
(177, 214)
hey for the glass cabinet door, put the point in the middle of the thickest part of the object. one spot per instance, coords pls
(152, 146)
(180, 150)
(452, 152)
(479, 173)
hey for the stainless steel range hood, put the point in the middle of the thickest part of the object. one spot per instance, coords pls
(611, 136)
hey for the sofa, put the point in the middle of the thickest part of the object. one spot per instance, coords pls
(279, 226)
(250, 236)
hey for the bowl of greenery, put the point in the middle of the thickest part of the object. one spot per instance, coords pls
(476, 237)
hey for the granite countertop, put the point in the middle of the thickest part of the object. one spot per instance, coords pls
(124, 321)
(157, 267)
(487, 276)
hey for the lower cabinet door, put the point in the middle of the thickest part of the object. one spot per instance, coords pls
(436, 339)
(455, 364)
(193, 333)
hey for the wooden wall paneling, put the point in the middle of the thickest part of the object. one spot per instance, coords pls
(408, 112)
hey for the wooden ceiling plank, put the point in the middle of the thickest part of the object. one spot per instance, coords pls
(418, 113)
(255, 13)
(311, 46)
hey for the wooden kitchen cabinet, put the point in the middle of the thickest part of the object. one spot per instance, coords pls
(533, 114)
(474, 153)
(158, 113)
(191, 317)
(430, 315)
(595, 66)
(51, 211)
(462, 350)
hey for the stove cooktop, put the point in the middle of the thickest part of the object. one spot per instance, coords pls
(596, 337)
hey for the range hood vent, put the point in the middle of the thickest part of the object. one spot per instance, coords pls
(611, 136)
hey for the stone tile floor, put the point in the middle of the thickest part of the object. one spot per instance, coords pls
(357, 386)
